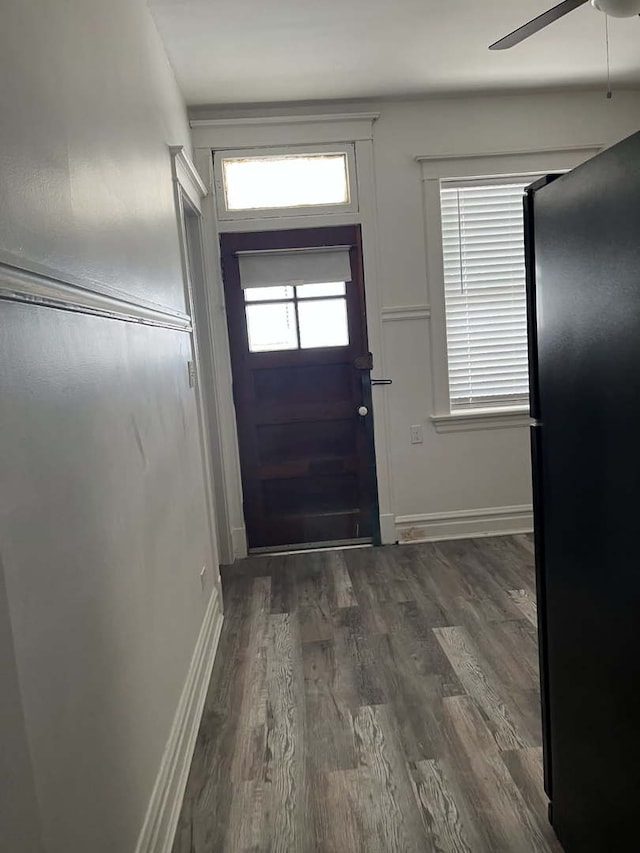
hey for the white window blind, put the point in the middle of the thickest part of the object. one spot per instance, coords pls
(294, 266)
(485, 296)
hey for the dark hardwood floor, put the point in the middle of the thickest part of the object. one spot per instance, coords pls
(374, 700)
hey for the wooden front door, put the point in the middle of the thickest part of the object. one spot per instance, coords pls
(302, 391)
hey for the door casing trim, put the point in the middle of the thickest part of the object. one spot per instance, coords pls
(335, 129)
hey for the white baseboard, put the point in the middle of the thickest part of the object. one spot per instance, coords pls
(161, 820)
(465, 524)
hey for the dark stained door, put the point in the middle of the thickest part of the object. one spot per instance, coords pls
(301, 378)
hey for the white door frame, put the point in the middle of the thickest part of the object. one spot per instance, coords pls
(216, 135)
(189, 193)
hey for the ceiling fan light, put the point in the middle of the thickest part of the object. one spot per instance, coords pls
(618, 8)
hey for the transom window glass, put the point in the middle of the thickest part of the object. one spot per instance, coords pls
(290, 181)
(485, 295)
(296, 317)
(293, 181)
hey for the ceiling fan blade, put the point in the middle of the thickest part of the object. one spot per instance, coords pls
(537, 24)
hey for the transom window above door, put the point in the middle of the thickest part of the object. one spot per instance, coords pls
(291, 181)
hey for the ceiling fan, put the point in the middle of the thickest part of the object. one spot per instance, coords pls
(615, 8)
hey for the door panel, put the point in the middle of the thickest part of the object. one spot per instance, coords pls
(307, 455)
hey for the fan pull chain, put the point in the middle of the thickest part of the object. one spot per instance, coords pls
(606, 32)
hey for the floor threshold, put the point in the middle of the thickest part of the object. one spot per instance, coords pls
(311, 548)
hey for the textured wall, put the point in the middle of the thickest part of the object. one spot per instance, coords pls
(103, 526)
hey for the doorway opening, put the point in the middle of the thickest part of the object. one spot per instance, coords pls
(302, 386)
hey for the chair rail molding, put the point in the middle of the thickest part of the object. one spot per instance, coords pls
(49, 288)
(405, 312)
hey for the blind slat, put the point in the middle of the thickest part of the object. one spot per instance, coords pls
(484, 278)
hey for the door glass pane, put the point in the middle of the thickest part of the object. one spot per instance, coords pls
(264, 294)
(323, 323)
(271, 327)
(309, 291)
(299, 180)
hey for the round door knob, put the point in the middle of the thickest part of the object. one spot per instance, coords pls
(363, 411)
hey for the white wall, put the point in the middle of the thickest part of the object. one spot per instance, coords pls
(89, 103)
(466, 470)
(103, 523)
(460, 482)
(19, 817)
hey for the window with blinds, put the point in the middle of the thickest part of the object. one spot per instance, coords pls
(485, 298)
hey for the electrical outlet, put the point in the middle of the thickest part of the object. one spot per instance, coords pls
(203, 577)
(416, 434)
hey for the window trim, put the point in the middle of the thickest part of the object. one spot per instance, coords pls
(467, 421)
(346, 149)
(483, 167)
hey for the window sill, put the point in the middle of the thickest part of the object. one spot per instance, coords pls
(481, 419)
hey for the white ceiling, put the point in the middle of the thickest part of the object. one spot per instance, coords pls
(250, 51)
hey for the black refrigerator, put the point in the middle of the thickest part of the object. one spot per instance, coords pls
(583, 279)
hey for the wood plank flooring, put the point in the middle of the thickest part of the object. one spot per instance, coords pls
(374, 701)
